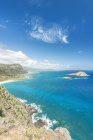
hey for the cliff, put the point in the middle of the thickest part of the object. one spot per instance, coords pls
(10, 72)
(16, 122)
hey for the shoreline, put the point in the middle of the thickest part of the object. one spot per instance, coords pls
(7, 81)
(43, 119)
(35, 118)
(14, 80)
(41, 122)
(27, 77)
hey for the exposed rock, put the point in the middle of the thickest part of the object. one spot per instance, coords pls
(40, 123)
(31, 110)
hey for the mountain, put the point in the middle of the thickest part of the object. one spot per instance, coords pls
(13, 71)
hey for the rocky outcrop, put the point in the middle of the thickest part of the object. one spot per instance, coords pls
(16, 123)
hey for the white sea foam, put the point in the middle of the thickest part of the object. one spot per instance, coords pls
(37, 107)
(49, 122)
(39, 110)
(39, 116)
(76, 78)
(44, 118)
(67, 78)
(36, 117)
(22, 100)
(7, 81)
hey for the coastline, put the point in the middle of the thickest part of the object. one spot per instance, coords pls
(18, 115)
(35, 119)
(43, 120)
(16, 80)
(7, 81)
(34, 110)
(48, 124)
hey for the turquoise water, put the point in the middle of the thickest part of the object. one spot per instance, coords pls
(69, 102)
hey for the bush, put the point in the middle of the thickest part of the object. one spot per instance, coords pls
(1, 113)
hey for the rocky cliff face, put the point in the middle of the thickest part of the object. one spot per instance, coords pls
(12, 71)
(16, 123)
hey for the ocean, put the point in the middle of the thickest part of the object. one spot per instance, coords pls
(66, 102)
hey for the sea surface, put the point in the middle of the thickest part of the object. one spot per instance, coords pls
(66, 102)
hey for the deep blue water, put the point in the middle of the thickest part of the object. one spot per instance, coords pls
(70, 102)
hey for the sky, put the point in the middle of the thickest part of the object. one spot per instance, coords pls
(47, 34)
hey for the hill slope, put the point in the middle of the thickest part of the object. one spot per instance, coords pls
(13, 71)
(16, 123)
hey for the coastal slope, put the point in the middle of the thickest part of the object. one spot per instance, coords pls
(12, 72)
(16, 122)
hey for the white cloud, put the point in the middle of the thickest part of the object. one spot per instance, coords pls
(50, 33)
(65, 40)
(47, 65)
(8, 57)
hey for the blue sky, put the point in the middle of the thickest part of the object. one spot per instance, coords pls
(47, 33)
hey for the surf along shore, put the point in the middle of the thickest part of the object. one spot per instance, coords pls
(16, 121)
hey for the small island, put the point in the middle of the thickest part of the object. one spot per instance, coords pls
(81, 74)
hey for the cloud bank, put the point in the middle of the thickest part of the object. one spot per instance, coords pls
(9, 57)
(51, 33)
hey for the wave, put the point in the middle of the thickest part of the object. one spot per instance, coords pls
(80, 78)
(74, 78)
(48, 123)
(22, 100)
(37, 107)
(39, 115)
(36, 117)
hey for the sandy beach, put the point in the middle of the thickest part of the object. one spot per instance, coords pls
(7, 81)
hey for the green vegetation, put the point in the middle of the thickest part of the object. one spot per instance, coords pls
(12, 72)
(1, 113)
(16, 124)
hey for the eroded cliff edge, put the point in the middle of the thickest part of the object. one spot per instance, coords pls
(16, 123)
